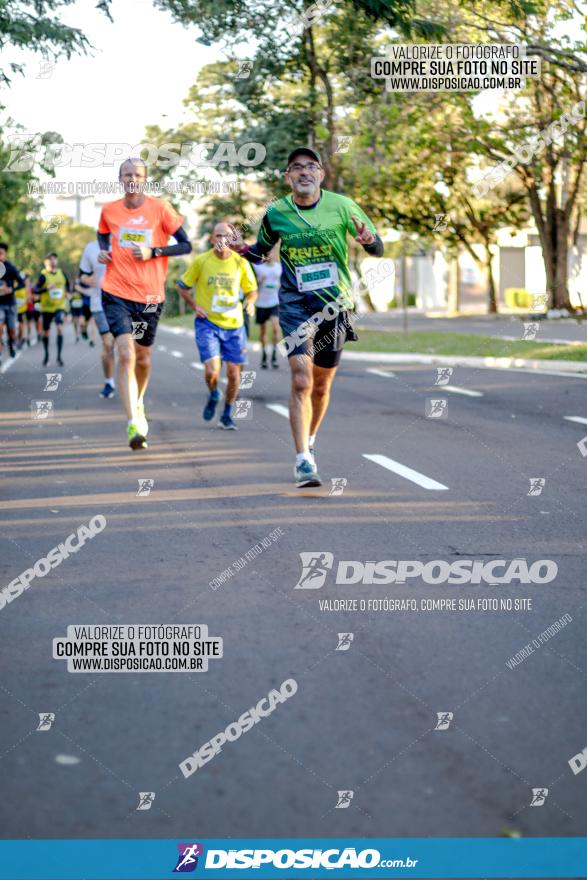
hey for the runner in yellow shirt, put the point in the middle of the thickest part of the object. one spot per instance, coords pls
(218, 275)
(53, 288)
(23, 299)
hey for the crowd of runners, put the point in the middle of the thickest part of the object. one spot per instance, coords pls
(294, 279)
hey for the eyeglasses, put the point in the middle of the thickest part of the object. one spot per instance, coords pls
(311, 166)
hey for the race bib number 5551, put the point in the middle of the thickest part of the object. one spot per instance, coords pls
(316, 275)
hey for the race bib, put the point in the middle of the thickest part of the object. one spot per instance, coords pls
(77, 302)
(224, 303)
(56, 293)
(21, 299)
(316, 275)
(127, 236)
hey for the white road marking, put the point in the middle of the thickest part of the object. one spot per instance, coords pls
(176, 354)
(387, 374)
(66, 760)
(161, 348)
(578, 419)
(456, 389)
(403, 471)
(9, 362)
(279, 409)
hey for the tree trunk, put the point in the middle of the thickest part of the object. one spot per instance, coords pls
(554, 231)
(492, 295)
(318, 72)
(312, 65)
(329, 163)
(561, 290)
(453, 298)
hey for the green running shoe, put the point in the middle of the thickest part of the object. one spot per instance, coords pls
(136, 440)
(142, 422)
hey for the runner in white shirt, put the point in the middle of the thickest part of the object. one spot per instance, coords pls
(91, 273)
(267, 305)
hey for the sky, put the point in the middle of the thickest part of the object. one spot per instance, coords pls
(117, 90)
(138, 74)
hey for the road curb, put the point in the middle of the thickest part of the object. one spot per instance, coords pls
(488, 363)
(493, 363)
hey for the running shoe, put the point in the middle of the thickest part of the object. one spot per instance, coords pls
(306, 474)
(92, 343)
(264, 360)
(46, 359)
(142, 422)
(60, 362)
(227, 423)
(136, 440)
(211, 405)
(274, 363)
(11, 348)
(107, 391)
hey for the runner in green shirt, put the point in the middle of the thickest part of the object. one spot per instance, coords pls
(312, 225)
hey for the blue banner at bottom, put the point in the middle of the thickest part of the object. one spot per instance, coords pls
(305, 858)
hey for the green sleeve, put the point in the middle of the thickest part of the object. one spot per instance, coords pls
(353, 210)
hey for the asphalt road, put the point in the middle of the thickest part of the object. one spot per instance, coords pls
(362, 719)
(506, 327)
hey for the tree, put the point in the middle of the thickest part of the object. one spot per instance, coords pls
(410, 163)
(305, 47)
(531, 133)
(30, 25)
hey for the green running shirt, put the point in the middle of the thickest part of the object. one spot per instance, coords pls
(314, 250)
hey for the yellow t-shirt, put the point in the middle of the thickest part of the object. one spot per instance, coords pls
(54, 300)
(22, 299)
(218, 283)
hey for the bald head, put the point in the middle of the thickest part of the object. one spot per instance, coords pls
(219, 238)
(133, 175)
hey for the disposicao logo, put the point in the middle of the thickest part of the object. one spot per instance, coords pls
(317, 564)
(187, 859)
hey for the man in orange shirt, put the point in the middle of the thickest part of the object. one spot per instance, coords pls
(133, 233)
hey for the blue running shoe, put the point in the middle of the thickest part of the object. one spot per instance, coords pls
(306, 474)
(211, 405)
(107, 391)
(227, 423)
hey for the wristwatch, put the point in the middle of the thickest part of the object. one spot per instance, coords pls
(156, 252)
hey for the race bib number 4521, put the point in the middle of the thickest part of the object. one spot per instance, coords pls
(316, 275)
(127, 236)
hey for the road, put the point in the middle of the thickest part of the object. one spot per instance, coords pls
(363, 718)
(499, 326)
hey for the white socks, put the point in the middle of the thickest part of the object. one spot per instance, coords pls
(300, 456)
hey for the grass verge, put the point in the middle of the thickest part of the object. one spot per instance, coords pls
(445, 343)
